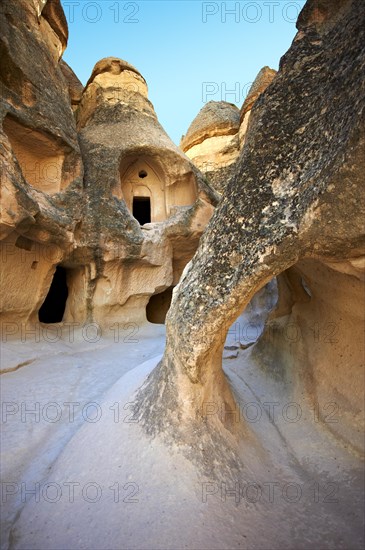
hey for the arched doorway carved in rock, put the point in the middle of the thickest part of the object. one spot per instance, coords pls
(143, 189)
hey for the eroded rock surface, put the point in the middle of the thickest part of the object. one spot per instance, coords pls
(41, 173)
(216, 136)
(115, 242)
(296, 203)
(261, 82)
(212, 141)
(75, 87)
(147, 203)
(94, 246)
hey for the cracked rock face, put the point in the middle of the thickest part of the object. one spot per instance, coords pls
(295, 209)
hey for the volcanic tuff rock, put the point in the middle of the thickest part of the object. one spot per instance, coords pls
(216, 118)
(80, 229)
(41, 176)
(75, 87)
(261, 82)
(212, 140)
(112, 223)
(217, 134)
(130, 159)
(295, 209)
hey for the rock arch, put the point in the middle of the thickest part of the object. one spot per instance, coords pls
(143, 178)
(294, 200)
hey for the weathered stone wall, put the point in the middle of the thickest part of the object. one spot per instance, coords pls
(56, 215)
(129, 156)
(296, 200)
(41, 166)
(314, 343)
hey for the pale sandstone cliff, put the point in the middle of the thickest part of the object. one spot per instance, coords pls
(72, 236)
(217, 134)
(42, 171)
(295, 209)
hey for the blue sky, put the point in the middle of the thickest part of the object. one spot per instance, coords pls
(189, 51)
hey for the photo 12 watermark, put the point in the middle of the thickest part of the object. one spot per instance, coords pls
(231, 92)
(68, 412)
(270, 492)
(90, 492)
(69, 332)
(290, 412)
(113, 11)
(269, 11)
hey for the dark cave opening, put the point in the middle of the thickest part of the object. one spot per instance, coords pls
(142, 209)
(158, 307)
(53, 307)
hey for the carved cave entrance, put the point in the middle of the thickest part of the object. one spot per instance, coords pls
(143, 189)
(144, 183)
(53, 307)
(158, 307)
(141, 209)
